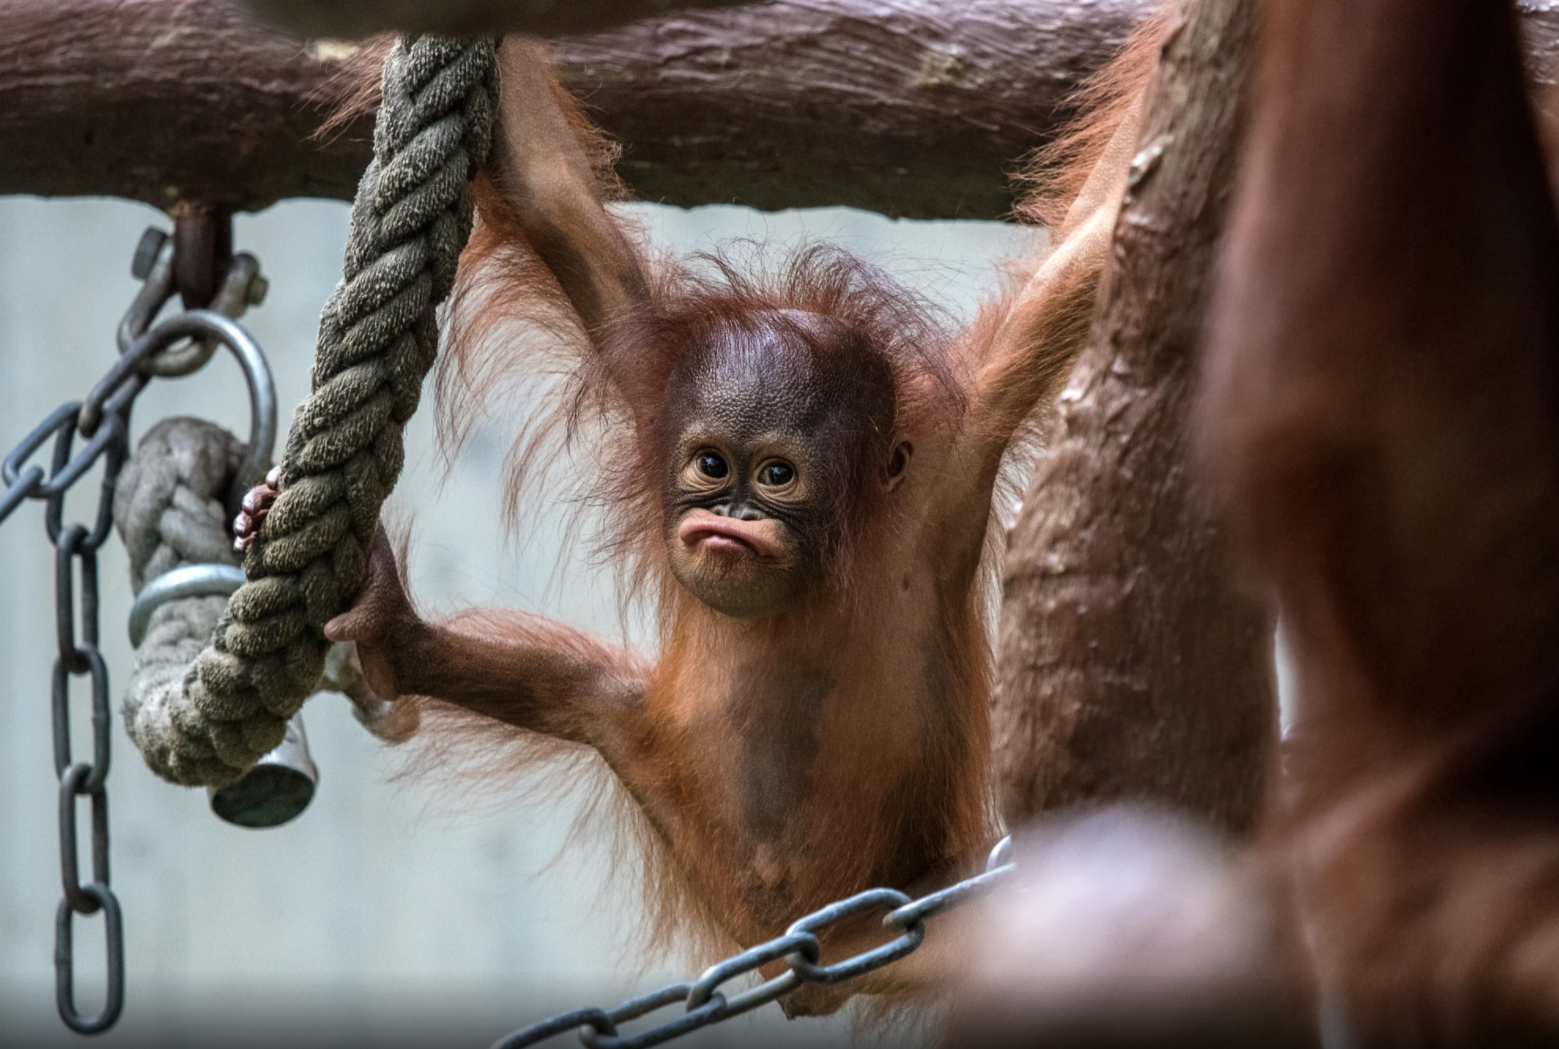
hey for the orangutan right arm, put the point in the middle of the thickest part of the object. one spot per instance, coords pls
(520, 669)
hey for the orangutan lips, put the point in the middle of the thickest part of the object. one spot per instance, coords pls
(724, 533)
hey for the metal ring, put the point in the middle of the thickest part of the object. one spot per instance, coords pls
(60, 418)
(204, 580)
(211, 325)
(762, 994)
(73, 785)
(231, 300)
(60, 702)
(692, 1020)
(871, 899)
(65, 554)
(66, 470)
(633, 1008)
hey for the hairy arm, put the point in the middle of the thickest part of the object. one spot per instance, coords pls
(543, 167)
(1026, 357)
(513, 667)
(1035, 345)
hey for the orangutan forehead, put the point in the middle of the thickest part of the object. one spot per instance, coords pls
(796, 371)
(755, 384)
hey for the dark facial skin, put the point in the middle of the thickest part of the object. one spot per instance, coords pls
(767, 442)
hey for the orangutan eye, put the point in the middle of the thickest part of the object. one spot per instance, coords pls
(711, 465)
(776, 474)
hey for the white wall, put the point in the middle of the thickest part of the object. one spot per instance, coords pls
(391, 910)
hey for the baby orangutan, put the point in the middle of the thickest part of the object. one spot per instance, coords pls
(802, 470)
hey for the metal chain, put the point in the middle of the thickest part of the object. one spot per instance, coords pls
(705, 1003)
(103, 420)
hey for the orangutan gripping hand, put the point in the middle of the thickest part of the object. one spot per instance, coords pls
(510, 666)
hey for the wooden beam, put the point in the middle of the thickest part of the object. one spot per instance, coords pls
(909, 107)
(354, 19)
(916, 108)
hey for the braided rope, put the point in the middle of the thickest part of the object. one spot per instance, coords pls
(168, 506)
(378, 336)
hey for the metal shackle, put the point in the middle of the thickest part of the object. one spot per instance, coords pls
(282, 783)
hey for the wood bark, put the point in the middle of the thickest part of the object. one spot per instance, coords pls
(1129, 663)
(916, 108)
(909, 107)
(354, 19)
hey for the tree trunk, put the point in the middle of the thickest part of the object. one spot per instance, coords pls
(1129, 664)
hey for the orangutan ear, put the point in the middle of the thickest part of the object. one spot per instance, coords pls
(898, 465)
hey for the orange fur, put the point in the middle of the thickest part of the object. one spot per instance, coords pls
(894, 790)
(354, 91)
(1381, 405)
(1054, 174)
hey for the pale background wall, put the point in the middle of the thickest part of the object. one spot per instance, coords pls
(395, 910)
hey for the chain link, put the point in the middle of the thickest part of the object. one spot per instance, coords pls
(78, 657)
(705, 1003)
(104, 421)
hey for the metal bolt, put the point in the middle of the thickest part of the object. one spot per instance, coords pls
(146, 252)
(258, 288)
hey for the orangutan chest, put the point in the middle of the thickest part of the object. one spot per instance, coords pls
(776, 715)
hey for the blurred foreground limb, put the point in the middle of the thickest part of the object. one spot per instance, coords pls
(1129, 927)
(1381, 406)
